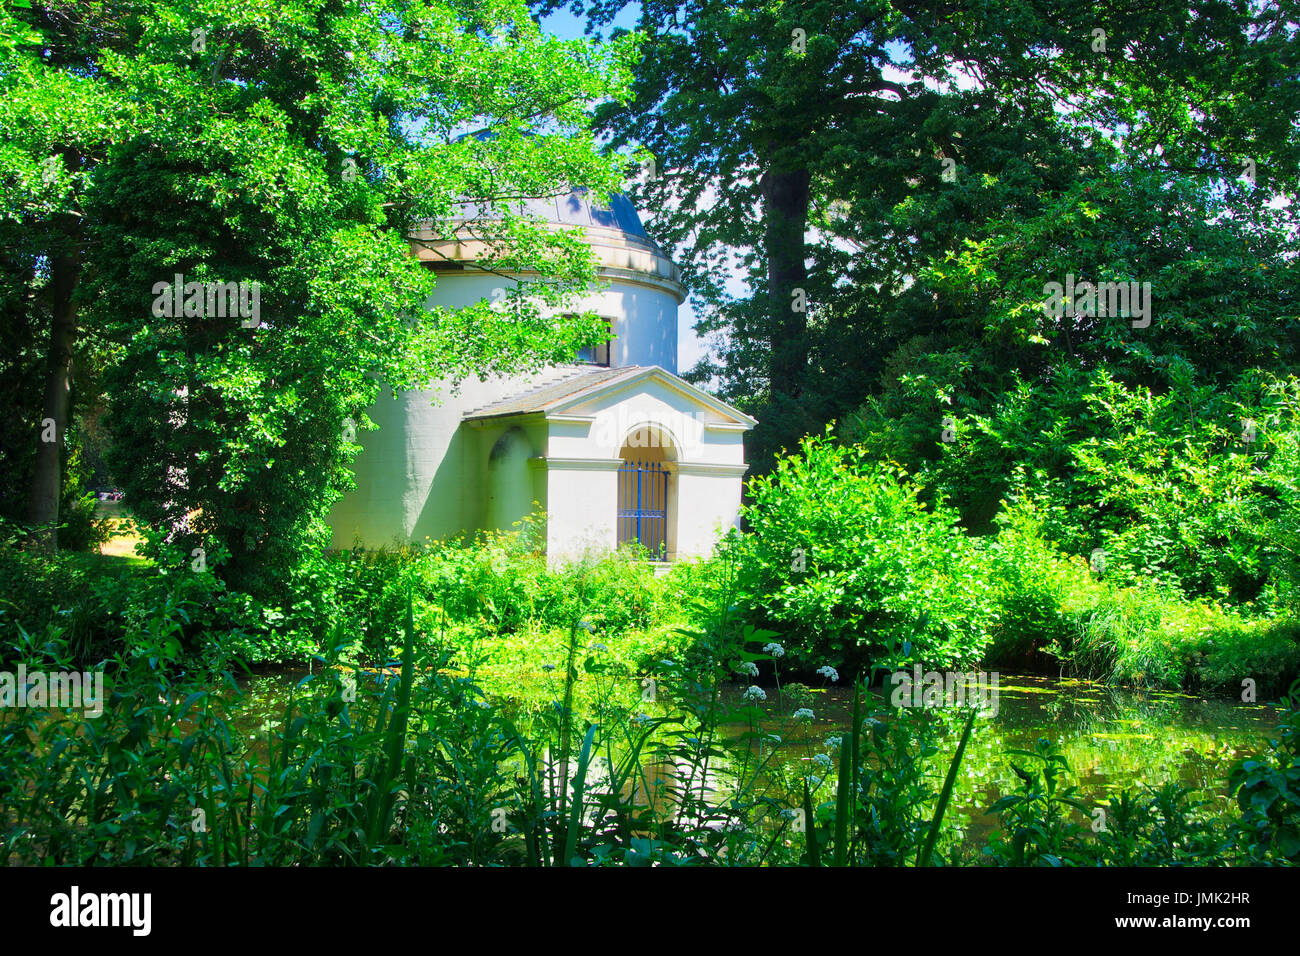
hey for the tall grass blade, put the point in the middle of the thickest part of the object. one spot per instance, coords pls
(923, 859)
(842, 795)
(579, 786)
(395, 735)
(855, 738)
(810, 829)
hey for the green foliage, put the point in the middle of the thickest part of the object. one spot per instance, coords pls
(1051, 607)
(1268, 792)
(844, 560)
(838, 149)
(1154, 826)
(415, 764)
(1037, 829)
(1166, 445)
(299, 151)
(1037, 590)
(1159, 826)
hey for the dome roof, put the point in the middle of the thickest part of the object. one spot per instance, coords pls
(577, 209)
(574, 209)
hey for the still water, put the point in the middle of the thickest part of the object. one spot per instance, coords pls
(1113, 738)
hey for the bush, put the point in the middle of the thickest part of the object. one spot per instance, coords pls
(1182, 483)
(1049, 605)
(1268, 792)
(1038, 592)
(842, 559)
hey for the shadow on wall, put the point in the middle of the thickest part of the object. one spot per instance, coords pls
(509, 481)
(442, 511)
(654, 335)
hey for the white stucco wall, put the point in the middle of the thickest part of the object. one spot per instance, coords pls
(705, 460)
(428, 473)
(644, 314)
(421, 475)
(581, 501)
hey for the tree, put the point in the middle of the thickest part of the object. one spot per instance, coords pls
(281, 156)
(859, 139)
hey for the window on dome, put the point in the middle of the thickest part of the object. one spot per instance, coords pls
(597, 354)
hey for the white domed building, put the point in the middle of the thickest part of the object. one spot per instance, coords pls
(614, 448)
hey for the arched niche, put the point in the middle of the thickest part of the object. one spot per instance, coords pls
(647, 490)
(509, 484)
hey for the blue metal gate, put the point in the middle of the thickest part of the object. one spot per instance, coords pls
(643, 506)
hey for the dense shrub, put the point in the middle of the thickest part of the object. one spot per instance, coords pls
(499, 585)
(1268, 792)
(1052, 606)
(843, 560)
(1188, 486)
(1038, 592)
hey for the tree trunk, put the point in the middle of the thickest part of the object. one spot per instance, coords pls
(785, 211)
(47, 476)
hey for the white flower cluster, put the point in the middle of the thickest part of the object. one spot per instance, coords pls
(754, 693)
(776, 650)
(829, 672)
(748, 667)
(803, 713)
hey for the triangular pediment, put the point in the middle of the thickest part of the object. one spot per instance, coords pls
(589, 393)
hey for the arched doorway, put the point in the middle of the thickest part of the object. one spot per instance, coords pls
(647, 510)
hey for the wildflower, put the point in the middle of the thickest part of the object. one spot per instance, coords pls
(803, 713)
(775, 649)
(833, 741)
(601, 648)
(773, 738)
(814, 781)
(829, 672)
(748, 667)
(823, 761)
(548, 667)
(754, 693)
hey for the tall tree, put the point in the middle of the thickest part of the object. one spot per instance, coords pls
(836, 146)
(290, 151)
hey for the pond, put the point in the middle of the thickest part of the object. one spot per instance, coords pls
(1113, 738)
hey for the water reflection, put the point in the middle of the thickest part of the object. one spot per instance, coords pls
(1112, 737)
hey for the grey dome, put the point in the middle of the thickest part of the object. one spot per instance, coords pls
(576, 208)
